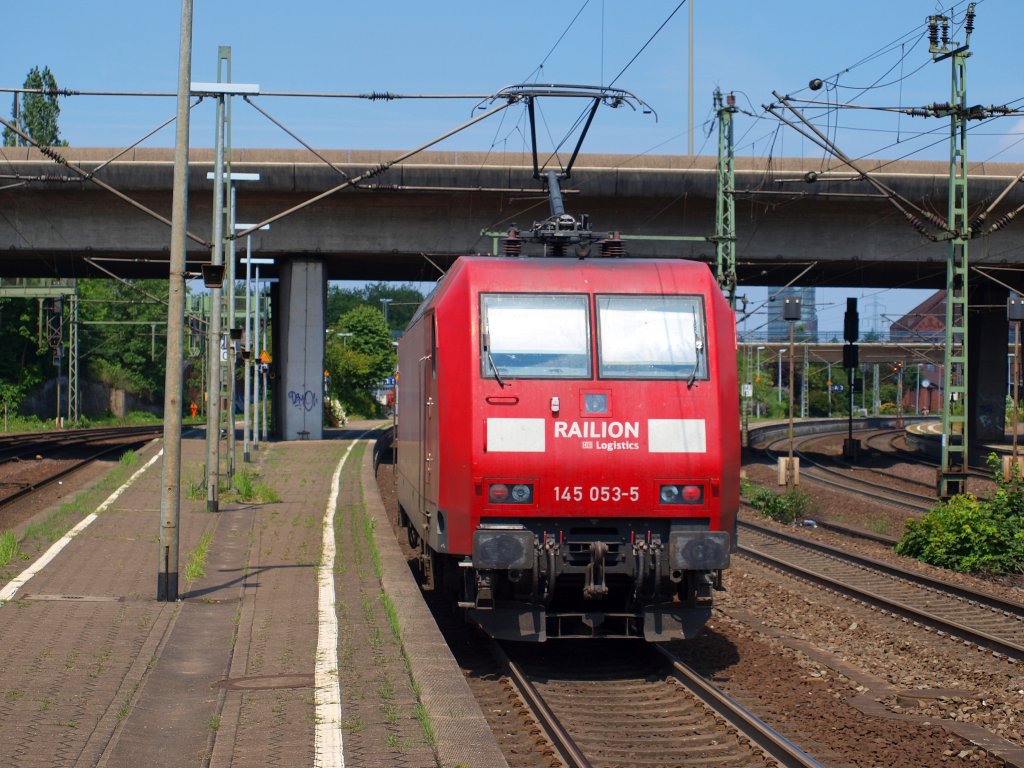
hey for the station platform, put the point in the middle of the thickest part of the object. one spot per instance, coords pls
(300, 639)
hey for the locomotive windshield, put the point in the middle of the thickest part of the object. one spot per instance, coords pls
(651, 337)
(535, 336)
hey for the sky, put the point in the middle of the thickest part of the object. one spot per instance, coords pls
(871, 53)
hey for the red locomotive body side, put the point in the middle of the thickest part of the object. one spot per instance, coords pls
(541, 452)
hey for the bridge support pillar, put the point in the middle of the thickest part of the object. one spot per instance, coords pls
(299, 326)
(987, 364)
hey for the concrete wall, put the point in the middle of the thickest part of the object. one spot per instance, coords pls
(299, 339)
(94, 399)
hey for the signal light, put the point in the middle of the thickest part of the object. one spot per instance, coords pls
(503, 493)
(681, 494)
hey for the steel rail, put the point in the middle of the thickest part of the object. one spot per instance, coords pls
(564, 744)
(877, 538)
(987, 599)
(820, 474)
(753, 728)
(1011, 649)
(29, 488)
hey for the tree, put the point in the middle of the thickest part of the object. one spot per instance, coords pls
(128, 353)
(403, 301)
(359, 356)
(39, 112)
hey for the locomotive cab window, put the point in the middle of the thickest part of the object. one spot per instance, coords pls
(651, 337)
(534, 336)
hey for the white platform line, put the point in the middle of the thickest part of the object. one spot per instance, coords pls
(19, 581)
(328, 748)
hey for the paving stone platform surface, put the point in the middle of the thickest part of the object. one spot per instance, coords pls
(96, 672)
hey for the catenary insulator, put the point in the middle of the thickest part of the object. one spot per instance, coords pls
(512, 245)
(1001, 222)
(933, 33)
(970, 19)
(613, 246)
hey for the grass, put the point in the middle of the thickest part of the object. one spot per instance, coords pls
(61, 520)
(35, 424)
(247, 487)
(419, 711)
(353, 724)
(423, 716)
(212, 723)
(8, 547)
(195, 490)
(880, 525)
(126, 705)
(129, 459)
(196, 566)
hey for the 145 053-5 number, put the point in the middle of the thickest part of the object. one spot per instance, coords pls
(597, 493)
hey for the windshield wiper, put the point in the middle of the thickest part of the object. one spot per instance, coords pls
(699, 345)
(490, 360)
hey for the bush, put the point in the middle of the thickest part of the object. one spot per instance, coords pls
(785, 507)
(972, 535)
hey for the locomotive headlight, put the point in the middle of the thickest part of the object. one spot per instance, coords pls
(681, 494)
(506, 493)
(522, 494)
(504, 548)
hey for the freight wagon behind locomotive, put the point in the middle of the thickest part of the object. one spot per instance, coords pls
(568, 444)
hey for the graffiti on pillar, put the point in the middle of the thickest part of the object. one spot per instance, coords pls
(306, 400)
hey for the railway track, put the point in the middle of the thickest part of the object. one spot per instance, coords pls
(976, 617)
(611, 707)
(844, 478)
(67, 452)
(889, 438)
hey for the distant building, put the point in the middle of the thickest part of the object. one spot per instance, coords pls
(925, 322)
(777, 328)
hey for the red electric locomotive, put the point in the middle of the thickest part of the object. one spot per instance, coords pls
(568, 444)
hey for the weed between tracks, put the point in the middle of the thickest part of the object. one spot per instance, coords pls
(785, 507)
(196, 566)
(8, 547)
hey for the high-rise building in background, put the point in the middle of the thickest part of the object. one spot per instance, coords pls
(777, 329)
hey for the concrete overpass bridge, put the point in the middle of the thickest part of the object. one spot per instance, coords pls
(414, 219)
(432, 208)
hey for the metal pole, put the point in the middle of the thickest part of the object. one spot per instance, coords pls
(829, 390)
(214, 384)
(247, 362)
(917, 393)
(224, 61)
(1016, 384)
(73, 359)
(170, 490)
(689, 98)
(780, 375)
(790, 480)
(256, 367)
(264, 401)
(232, 349)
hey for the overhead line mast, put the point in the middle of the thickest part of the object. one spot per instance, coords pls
(953, 472)
(725, 202)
